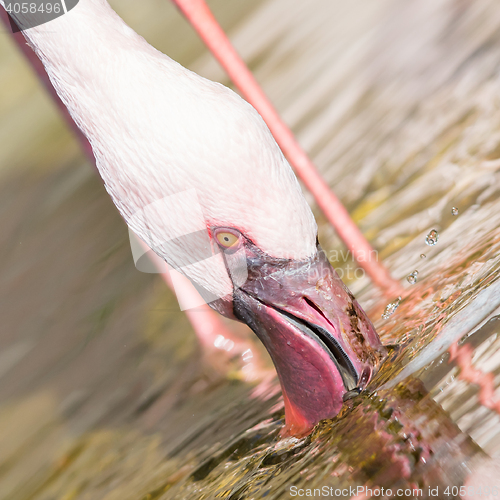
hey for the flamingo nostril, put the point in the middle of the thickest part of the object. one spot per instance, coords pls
(318, 310)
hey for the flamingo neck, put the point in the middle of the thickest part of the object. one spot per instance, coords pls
(84, 53)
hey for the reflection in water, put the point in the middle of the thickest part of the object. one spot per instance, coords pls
(103, 391)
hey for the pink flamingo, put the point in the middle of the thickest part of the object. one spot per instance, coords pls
(196, 174)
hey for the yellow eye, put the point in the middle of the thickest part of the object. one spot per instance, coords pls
(227, 239)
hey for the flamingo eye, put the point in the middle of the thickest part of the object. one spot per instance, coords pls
(227, 238)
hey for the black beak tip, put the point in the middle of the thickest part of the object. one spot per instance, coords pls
(351, 394)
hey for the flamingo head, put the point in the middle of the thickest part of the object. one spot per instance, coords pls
(323, 345)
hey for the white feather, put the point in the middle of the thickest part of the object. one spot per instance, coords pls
(158, 129)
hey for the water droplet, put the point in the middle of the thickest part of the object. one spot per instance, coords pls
(288, 343)
(423, 256)
(432, 238)
(412, 277)
(390, 308)
(454, 211)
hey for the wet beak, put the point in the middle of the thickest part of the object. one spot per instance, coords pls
(322, 344)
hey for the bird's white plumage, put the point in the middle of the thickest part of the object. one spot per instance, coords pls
(158, 129)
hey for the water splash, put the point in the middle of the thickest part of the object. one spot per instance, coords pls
(432, 238)
(412, 277)
(390, 308)
(454, 211)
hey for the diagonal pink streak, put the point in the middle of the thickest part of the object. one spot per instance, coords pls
(462, 355)
(199, 15)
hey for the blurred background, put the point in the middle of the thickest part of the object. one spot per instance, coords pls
(103, 392)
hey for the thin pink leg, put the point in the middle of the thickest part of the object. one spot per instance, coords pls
(211, 332)
(199, 15)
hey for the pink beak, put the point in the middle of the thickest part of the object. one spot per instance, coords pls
(322, 344)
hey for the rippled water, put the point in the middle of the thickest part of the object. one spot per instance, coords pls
(104, 393)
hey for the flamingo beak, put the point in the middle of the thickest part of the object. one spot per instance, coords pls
(322, 344)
